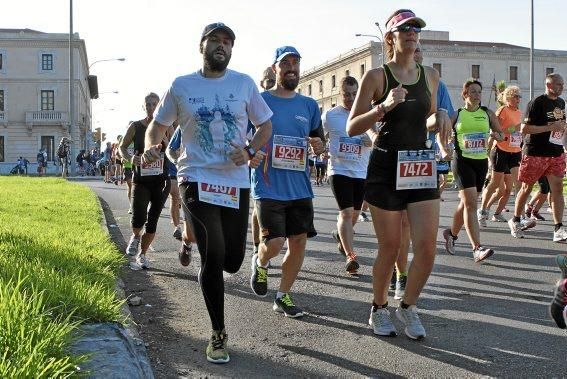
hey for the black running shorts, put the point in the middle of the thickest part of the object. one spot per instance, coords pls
(279, 218)
(349, 192)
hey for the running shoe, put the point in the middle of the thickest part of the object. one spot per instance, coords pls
(481, 253)
(400, 287)
(216, 350)
(184, 254)
(285, 305)
(498, 218)
(558, 306)
(393, 280)
(177, 234)
(337, 238)
(515, 229)
(351, 263)
(142, 261)
(561, 261)
(133, 246)
(363, 217)
(410, 318)
(529, 210)
(258, 278)
(130, 210)
(482, 217)
(381, 323)
(449, 241)
(560, 234)
(527, 223)
(537, 216)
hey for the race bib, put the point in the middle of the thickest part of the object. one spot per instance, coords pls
(349, 148)
(474, 143)
(288, 153)
(416, 170)
(515, 139)
(219, 195)
(154, 168)
(556, 138)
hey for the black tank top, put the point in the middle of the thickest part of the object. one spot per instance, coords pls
(139, 147)
(404, 127)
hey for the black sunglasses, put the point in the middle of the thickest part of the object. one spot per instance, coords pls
(406, 28)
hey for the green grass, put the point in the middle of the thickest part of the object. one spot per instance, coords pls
(57, 269)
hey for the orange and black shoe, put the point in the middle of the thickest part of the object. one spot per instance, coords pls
(351, 263)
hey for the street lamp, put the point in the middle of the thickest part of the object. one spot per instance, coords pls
(378, 38)
(107, 60)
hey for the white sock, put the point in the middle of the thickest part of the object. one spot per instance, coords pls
(279, 295)
(259, 264)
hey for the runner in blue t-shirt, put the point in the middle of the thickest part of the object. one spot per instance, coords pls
(281, 185)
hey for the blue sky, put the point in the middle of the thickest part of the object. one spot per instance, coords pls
(160, 39)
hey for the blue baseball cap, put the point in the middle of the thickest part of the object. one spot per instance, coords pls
(284, 51)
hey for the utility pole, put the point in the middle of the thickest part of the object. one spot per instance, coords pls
(71, 90)
(532, 51)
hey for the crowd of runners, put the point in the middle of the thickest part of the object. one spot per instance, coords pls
(215, 145)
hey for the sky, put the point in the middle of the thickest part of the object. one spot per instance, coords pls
(160, 39)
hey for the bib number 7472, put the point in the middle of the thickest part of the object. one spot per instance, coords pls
(416, 170)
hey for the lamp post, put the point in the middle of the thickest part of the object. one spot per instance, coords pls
(378, 38)
(106, 60)
(532, 51)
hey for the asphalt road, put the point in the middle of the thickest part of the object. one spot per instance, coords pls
(487, 319)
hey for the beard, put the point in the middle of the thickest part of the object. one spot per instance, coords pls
(214, 64)
(290, 83)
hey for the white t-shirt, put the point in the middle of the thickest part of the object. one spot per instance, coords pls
(212, 112)
(348, 155)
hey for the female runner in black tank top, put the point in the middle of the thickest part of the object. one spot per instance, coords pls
(404, 94)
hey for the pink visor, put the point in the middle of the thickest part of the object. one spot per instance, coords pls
(403, 18)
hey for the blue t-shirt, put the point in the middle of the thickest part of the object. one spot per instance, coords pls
(444, 100)
(295, 118)
(174, 144)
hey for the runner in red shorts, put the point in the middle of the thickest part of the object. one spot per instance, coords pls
(544, 130)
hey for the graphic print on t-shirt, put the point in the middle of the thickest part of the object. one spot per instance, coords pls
(215, 129)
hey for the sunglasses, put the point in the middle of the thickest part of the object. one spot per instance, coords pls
(517, 96)
(406, 28)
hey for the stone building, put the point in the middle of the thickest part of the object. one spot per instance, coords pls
(34, 95)
(456, 61)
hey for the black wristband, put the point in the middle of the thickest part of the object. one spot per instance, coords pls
(251, 152)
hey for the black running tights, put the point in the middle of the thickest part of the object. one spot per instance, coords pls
(221, 239)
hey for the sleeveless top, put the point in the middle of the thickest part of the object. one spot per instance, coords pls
(471, 133)
(139, 147)
(404, 127)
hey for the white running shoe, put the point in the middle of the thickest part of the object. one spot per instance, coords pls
(515, 229)
(414, 329)
(381, 323)
(527, 223)
(133, 246)
(498, 218)
(449, 241)
(560, 234)
(142, 261)
(481, 253)
(482, 217)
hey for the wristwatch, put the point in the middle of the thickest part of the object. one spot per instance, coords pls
(251, 152)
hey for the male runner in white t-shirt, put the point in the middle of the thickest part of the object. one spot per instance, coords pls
(213, 106)
(348, 163)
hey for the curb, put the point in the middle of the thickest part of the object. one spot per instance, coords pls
(116, 351)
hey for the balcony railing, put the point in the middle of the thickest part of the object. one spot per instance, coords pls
(46, 117)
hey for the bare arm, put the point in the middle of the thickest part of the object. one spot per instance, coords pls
(497, 133)
(551, 127)
(262, 135)
(126, 141)
(154, 135)
(371, 88)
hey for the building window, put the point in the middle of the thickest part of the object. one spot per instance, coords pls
(333, 81)
(48, 143)
(347, 73)
(321, 110)
(333, 105)
(514, 73)
(48, 100)
(320, 86)
(1, 61)
(362, 70)
(47, 62)
(299, 91)
(437, 66)
(549, 70)
(2, 149)
(475, 71)
(309, 90)
(1, 100)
